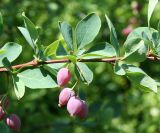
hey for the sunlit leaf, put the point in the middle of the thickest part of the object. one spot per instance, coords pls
(87, 29)
(51, 49)
(113, 36)
(67, 33)
(85, 72)
(19, 87)
(12, 51)
(152, 4)
(37, 78)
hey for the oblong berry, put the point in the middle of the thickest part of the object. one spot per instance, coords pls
(65, 95)
(2, 113)
(14, 122)
(74, 105)
(84, 110)
(63, 76)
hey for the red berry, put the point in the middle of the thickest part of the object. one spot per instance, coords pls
(65, 95)
(2, 113)
(74, 105)
(14, 122)
(84, 111)
(63, 76)
(127, 30)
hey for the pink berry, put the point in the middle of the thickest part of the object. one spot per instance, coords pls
(74, 105)
(2, 113)
(65, 95)
(63, 76)
(84, 111)
(127, 30)
(14, 122)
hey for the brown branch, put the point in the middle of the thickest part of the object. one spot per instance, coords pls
(153, 58)
(36, 63)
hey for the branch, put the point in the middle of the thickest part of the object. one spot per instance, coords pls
(36, 63)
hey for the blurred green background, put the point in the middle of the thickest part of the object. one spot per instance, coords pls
(115, 105)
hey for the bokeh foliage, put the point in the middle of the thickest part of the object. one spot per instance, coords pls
(115, 105)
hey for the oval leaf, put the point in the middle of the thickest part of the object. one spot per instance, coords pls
(118, 69)
(113, 36)
(51, 49)
(67, 33)
(135, 50)
(85, 72)
(12, 51)
(103, 49)
(31, 28)
(87, 29)
(37, 78)
(7, 64)
(139, 33)
(152, 4)
(26, 35)
(61, 51)
(140, 78)
(19, 87)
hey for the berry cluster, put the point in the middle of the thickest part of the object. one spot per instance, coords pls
(67, 96)
(12, 121)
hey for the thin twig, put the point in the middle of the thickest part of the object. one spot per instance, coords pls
(36, 63)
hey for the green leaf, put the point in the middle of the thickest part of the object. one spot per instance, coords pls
(26, 35)
(156, 39)
(140, 78)
(78, 74)
(102, 49)
(7, 64)
(143, 81)
(37, 78)
(152, 4)
(31, 29)
(156, 43)
(19, 87)
(56, 66)
(87, 29)
(50, 69)
(12, 51)
(2, 51)
(80, 52)
(1, 23)
(85, 72)
(61, 51)
(67, 33)
(118, 69)
(144, 33)
(113, 36)
(51, 49)
(135, 50)
(72, 58)
(139, 33)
